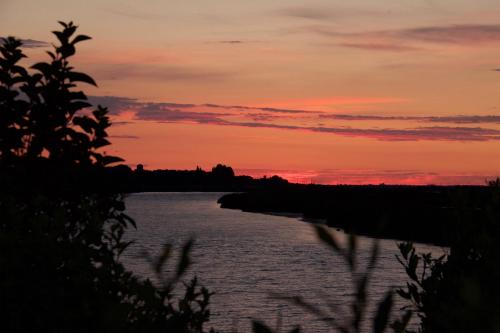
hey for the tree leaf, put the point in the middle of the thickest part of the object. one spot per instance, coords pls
(399, 326)
(383, 312)
(260, 327)
(86, 123)
(351, 257)
(106, 160)
(80, 38)
(374, 255)
(81, 77)
(64, 24)
(326, 237)
(185, 260)
(165, 254)
(60, 36)
(43, 68)
(100, 142)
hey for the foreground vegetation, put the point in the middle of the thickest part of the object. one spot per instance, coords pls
(62, 222)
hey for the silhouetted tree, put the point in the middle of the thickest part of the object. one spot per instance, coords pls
(222, 171)
(61, 223)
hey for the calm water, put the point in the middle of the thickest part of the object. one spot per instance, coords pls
(243, 257)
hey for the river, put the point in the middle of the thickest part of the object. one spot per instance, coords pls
(245, 258)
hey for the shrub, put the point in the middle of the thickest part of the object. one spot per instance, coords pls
(61, 222)
(459, 291)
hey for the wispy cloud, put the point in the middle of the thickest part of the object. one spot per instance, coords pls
(459, 34)
(129, 137)
(436, 133)
(313, 13)
(231, 42)
(276, 119)
(30, 43)
(380, 47)
(413, 38)
(162, 114)
(158, 112)
(266, 109)
(120, 103)
(459, 119)
(327, 13)
(115, 104)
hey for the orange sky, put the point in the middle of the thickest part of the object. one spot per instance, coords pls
(321, 91)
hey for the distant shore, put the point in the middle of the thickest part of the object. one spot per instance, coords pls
(426, 214)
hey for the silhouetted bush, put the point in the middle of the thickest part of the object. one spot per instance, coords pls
(460, 290)
(61, 222)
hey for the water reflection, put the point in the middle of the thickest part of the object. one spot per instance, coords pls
(244, 257)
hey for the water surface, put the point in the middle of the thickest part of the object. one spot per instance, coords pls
(245, 257)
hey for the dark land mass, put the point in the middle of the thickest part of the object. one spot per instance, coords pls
(427, 214)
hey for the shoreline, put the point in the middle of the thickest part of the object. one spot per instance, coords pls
(424, 214)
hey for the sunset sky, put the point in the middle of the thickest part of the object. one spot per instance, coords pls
(322, 91)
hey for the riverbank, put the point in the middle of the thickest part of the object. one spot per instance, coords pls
(426, 214)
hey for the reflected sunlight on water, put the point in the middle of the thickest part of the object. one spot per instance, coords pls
(243, 257)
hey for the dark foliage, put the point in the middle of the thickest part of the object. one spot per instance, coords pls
(459, 291)
(220, 179)
(61, 222)
(223, 171)
(417, 213)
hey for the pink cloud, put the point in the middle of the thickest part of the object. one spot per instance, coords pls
(245, 117)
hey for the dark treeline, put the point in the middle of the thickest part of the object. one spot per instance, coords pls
(220, 179)
(429, 214)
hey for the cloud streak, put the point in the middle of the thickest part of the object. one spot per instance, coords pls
(231, 42)
(413, 39)
(380, 46)
(459, 119)
(162, 114)
(460, 34)
(435, 133)
(190, 113)
(120, 103)
(265, 109)
(128, 137)
(308, 13)
(326, 13)
(30, 43)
